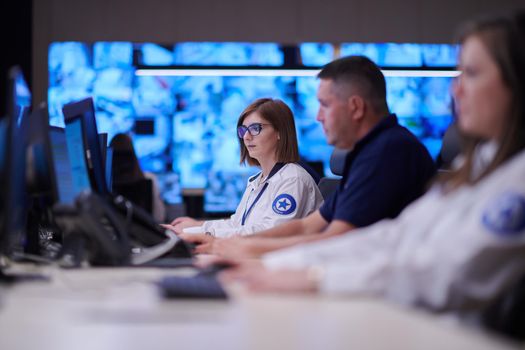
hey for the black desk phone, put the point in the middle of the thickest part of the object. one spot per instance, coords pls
(110, 230)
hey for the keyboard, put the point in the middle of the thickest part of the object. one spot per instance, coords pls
(196, 287)
(169, 262)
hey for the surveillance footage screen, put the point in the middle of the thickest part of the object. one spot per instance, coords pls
(183, 126)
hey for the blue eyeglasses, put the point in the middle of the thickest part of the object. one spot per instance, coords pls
(254, 129)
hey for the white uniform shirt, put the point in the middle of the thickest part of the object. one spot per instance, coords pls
(290, 193)
(444, 252)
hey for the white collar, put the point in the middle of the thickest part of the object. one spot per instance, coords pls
(483, 156)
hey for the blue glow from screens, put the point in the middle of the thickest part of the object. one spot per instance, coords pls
(66, 190)
(228, 54)
(440, 55)
(225, 189)
(71, 77)
(194, 118)
(75, 149)
(170, 187)
(423, 106)
(368, 50)
(404, 55)
(22, 92)
(156, 55)
(401, 55)
(112, 54)
(388, 54)
(316, 54)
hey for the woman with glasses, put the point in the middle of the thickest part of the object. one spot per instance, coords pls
(282, 191)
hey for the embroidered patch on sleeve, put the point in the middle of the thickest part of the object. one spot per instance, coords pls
(284, 204)
(506, 214)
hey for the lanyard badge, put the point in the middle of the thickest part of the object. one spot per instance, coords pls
(248, 210)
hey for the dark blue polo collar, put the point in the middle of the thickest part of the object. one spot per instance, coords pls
(387, 122)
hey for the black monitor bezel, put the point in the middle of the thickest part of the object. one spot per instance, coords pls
(39, 130)
(13, 200)
(85, 111)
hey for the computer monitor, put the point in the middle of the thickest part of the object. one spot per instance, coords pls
(70, 181)
(41, 175)
(43, 178)
(13, 211)
(103, 142)
(109, 168)
(77, 157)
(104, 149)
(80, 119)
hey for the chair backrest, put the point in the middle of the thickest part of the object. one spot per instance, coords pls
(328, 185)
(139, 192)
(507, 314)
(312, 168)
(123, 166)
(450, 147)
(337, 161)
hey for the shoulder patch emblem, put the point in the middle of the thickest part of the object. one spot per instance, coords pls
(506, 215)
(284, 204)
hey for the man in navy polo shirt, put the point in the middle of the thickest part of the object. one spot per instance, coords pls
(385, 170)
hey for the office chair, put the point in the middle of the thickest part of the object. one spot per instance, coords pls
(450, 147)
(328, 185)
(507, 314)
(139, 192)
(315, 169)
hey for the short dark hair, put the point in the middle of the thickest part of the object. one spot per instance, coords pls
(277, 113)
(361, 73)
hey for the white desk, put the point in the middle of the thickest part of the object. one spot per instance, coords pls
(122, 309)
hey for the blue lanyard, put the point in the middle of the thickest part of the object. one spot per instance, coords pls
(248, 210)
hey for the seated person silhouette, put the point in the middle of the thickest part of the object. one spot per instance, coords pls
(129, 180)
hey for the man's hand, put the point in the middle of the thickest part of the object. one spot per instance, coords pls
(203, 242)
(235, 248)
(206, 260)
(256, 278)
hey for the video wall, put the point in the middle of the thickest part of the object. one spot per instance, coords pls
(183, 127)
